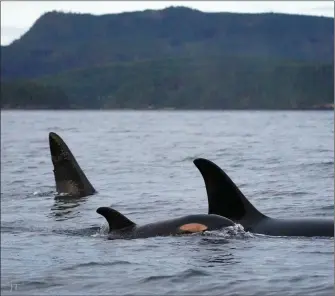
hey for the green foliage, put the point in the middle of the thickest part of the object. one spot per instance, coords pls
(30, 95)
(60, 42)
(208, 83)
(171, 58)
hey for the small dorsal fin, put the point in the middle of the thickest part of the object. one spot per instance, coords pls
(224, 197)
(115, 219)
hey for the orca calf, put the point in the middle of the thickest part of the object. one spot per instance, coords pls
(225, 199)
(120, 227)
(69, 177)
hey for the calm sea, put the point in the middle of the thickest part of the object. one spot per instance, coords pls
(141, 164)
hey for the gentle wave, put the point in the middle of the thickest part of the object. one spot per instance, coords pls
(179, 277)
(98, 264)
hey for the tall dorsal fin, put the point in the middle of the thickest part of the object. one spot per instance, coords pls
(69, 177)
(115, 219)
(224, 197)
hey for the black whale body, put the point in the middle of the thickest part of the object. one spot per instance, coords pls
(120, 227)
(225, 199)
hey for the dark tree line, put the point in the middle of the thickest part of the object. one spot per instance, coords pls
(30, 95)
(216, 83)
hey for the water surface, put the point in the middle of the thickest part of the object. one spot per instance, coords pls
(141, 164)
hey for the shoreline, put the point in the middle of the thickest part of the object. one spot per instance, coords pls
(166, 109)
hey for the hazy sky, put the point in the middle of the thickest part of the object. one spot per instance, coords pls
(18, 16)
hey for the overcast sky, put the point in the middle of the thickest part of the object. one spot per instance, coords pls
(18, 16)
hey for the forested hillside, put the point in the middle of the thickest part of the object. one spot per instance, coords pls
(171, 58)
(63, 41)
(29, 95)
(217, 83)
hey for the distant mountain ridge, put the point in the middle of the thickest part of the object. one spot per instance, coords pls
(59, 42)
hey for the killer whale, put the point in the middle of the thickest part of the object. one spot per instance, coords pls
(69, 177)
(120, 227)
(225, 199)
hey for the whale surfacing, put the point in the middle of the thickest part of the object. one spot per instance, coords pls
(120, 227)
(225, 199)
(69, 177)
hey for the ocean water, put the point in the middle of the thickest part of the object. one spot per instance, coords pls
(141, 164)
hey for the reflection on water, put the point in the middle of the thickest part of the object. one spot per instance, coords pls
(63, 208)
(217, 252)
(88, 231)
(221, 258)
(216, 242)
